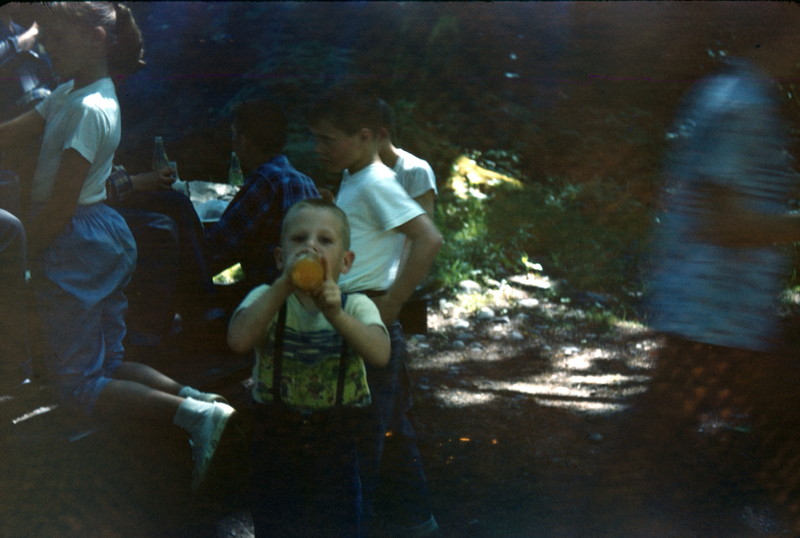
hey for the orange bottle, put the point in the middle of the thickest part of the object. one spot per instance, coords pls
(308, 273)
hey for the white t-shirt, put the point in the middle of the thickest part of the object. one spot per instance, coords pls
(414, 174)
(86, 120)
(375, 204)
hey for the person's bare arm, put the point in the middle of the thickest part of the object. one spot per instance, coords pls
(248, 325)
(426, 200)
(424, 242)
(730, 223)
(370, 342)
(61, 206)
(153, 181)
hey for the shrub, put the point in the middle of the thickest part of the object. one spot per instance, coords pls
(592, 234)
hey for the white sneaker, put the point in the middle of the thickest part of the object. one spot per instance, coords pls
(205, 440)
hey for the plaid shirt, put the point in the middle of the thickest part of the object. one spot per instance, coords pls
(250, 228)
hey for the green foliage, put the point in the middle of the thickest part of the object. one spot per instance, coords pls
(472, 247)
(590, 234)
(471, 250)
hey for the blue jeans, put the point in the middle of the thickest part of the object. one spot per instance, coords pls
(391, 405)
(151, 292)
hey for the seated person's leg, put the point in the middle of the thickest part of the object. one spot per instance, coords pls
(13, 298)
(75, 359)
(151, 292)
(195, 291)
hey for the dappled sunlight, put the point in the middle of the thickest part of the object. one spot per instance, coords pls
(601, 393)
(586, 393)
(586, 407)
(598, 377)
(468, 179)
(542, 386)
(463, 398)
(610, 380)
(575, 360)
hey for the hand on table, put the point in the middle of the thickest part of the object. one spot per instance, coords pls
(151, 181)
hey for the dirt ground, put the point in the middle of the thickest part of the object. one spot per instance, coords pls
(523, 408)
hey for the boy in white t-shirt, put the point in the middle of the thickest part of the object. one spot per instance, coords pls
(414, 174)
(346, 126)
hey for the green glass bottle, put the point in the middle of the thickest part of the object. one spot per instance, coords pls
(160, 159)
(235, 175)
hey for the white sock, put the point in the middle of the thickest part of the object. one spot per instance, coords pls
(189, 392)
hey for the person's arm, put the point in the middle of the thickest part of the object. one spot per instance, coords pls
(120, 184)
(426, 200)
(370, 342)
(249, 323)
(153, 181)
(226, 238)
(424, 242)
(13, 45)
(730, 223)
(60, 208)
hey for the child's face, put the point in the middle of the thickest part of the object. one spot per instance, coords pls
(338, 150)
(314, 230)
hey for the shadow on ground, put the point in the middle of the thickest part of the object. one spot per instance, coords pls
(525, 428)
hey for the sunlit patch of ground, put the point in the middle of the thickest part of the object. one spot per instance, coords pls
(531, 345)
(521, 400)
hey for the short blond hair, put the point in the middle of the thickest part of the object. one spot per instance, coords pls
(319, 203)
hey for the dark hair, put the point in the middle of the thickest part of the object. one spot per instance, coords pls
(321, 203)
(125, 44)
(388, 118)
(349, 110)
(263, 123)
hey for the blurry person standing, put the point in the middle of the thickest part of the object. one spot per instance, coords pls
(718, 268)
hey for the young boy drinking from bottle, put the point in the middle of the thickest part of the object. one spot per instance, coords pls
(311, 342)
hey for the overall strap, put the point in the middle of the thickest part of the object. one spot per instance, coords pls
(277, 359)
(277, 355)
(342, 365)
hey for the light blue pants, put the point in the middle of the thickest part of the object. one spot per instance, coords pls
(79, 282)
